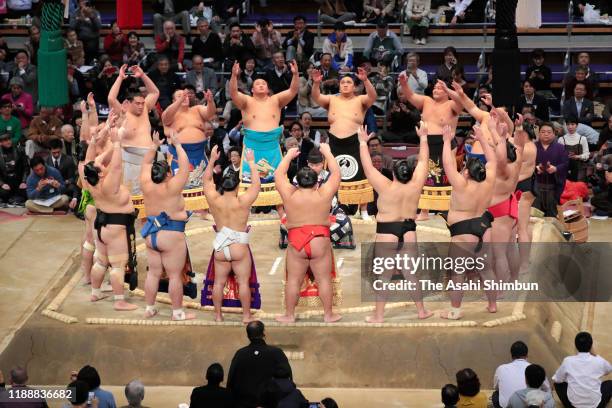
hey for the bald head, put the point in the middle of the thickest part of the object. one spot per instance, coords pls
(169, 28)
(255, 330)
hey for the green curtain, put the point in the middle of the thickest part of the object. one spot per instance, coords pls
(52, 67)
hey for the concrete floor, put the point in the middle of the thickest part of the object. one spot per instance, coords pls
(30, 267)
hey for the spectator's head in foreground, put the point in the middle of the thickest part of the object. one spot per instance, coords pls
(80, 393)
(450, 395)
(19, 376)
(518, 350)
(134, 393)
(467, 382)
(214, 374)
(90, 375)
(255, 330)
(583, 342)
(534, 376)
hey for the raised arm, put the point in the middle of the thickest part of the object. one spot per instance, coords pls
(210, 111)
(177, 183)
(115, 171)
(283, 186)
(453, 95)
(489, 151)
(252, 191)
(499, 142)
(173, 108)
(422, 168)
(152, 91)
(448, 159)
(239, 99)
(287, 96)
(93, 110)
(376, 179)
(85, 131)
(469, 105)
(113, 102)
(369, 98)
(415, 100)
(330, 187)
(315, 93)
(208, 182)
(147, 160)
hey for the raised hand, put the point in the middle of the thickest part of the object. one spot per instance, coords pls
(422, 130)
(137, 71)
(83, 107)
(478, 135)
(208, 96)
(122, 71)
(502, 129)
(250, 156)
(487, 99)
(316, 76)
(115, 135)
(403, 79)
(362, 133)
(156, 141)
(519, 120)
(362, 74)
(447, 133)
(294, 67)
(293, 152)
(214, 154)
(458, 88)
(236, 69)
(90, 100)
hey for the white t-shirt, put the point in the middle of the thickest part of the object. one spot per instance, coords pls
(510, 378)
(583, 373)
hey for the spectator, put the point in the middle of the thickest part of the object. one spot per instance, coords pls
(469, 11)
(417, 78)
(45, 188)
(237, 46)
(417, 19)
(134, 393)
(208, 45)
(383, 45)
(44, 128)
(378, 10)
(299, 43)
(19, 379)
(200, 77)
(375, 146)
(13, 173)
(579, 77)
(330, 83)
(578, 379)
(577, 148)
(602, 200)
(172, 45)
(334, 11)
(468, 385)
(444, 71)
(134, 51)
(510, 377)
(538, 73)
(537, 102)
(329, 403)
(114, 43)
(305, 102)
(165, 79)
(383, 84)
(450, 396)
(267, 41)
(305, 145)
(90, 375)
(402, 119)
(80, 396)
(19, 8)
(290, 143)
(31, 46)
(253, 366)
(23, 106)
(212, 395)
(458, 76)
(279, 76)
(74, 47)
(287, 394)
(67, 168)
(226, 11)
(583, 60)
(86, 22)
(579, 106)
(3, 56)
(309, 133)
(69, 145)
(340, 47)
(105, 80)
(21, 68)
(551, 171)
(9, 124)
(604, 135)
(235, 155)
(173, 11)
(535, 378)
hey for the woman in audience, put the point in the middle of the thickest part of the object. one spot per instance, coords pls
(305, 101)
(470, 395)
(444, 72)
(312, 134)
(134, 50)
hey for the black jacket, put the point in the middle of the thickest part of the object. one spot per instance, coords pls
(212, 48)
(241, 52)
(540, 105)
(540, 84)
(167, 84)
(586, 112)
(305, 149)
(278, 83)
(66, 167)
(209, 396)
(13, 166)
(308, 39)
(251, 368)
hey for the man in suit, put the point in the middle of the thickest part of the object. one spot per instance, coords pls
(67, 168)
(305, 145)
(212, 394)
(330, 84)
(579, 106)
(253, 366)
(165, 79)
(299, 43)
(200, 77)
(537, 102)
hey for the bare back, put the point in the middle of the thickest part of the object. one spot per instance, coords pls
(470, 201)
(398, 201)
(345, 115)
(188, 125)
(137, 130)
(528, 163)
(229, 211)
(505, 184)
(109, 201)
(261, 114)
(439, 114)
(306, 207)
(160, 197)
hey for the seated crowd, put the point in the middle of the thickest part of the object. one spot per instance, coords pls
(260, 376)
